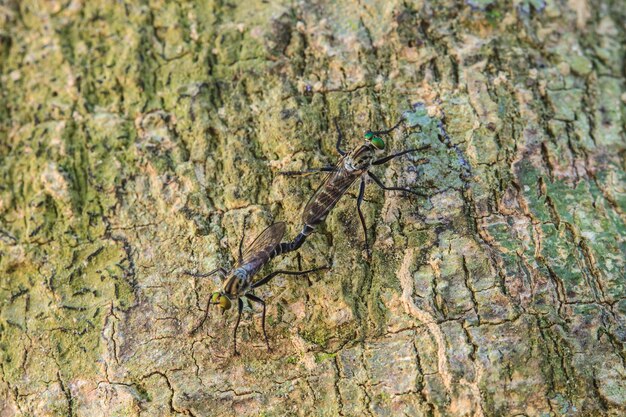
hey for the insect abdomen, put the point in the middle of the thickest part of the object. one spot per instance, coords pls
(294, 244)
(316, 211)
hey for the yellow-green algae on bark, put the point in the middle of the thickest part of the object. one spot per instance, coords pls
(136, 136)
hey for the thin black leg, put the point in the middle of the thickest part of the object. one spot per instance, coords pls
(266, 279)
(256, 299)
(309, 171)
(395, 155)
(221, 271)
(391, 129)
(339, 138)
(243, 233)
(299, 258)
(359, 200)
(384, 187)
(206, 315)
(240, 308)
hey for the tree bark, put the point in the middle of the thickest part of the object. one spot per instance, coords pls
(135, 138)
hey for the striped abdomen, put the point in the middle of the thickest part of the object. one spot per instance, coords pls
(327, 196)
(320, 204)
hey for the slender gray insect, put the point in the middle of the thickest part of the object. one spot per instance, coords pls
(239, 283)
(350, 167)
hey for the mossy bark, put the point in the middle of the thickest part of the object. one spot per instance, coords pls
(136, 136)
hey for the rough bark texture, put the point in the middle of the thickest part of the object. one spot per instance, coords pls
(136, 136)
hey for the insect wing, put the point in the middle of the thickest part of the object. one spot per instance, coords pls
(259, 251)
(327, 194)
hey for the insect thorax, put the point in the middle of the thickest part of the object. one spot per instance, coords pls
(360, 159)
(237, 283)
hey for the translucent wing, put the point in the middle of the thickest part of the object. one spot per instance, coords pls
(328, 193)
(259, 251)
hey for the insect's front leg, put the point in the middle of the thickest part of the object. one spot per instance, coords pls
(384, 187)
(339, 139)
(387, 131)
(240, 309)
(307, 171)
(243, 232)
(220, 271)
(256, 299)
(397, 154)
(206, 315)
(267, 278)
(358, 207)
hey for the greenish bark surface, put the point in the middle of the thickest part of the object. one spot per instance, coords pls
(136, 136)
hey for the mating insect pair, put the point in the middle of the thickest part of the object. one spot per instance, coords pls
(240, 282)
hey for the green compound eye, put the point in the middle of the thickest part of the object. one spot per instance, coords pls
(369, 135)
(378, 143)
(224, 302)
(221, 300)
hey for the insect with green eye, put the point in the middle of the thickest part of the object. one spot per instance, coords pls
(352, 166)
(240, 282)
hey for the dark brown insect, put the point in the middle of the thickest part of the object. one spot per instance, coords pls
(351, 167)
(240, 281)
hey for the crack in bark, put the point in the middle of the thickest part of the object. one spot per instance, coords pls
(420, 382)
(68, 395)
(406, 282)
(171, 389)
(335, 384)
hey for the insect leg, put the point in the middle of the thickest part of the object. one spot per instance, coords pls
(395, 155)
(391, 129)
(206, 315)
(256, 299)
(266, 279)
(384, 187)
(359, 200)
(308, 171)
(243, 232)
(240, 309)
(220, 271)
(339, 138)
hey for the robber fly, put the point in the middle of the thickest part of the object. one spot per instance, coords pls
(352, 166)
(240, 281)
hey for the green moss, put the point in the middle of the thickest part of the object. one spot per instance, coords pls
(323, 356)
(565, 103)
(135, 136)
(292, 360)
(317, 335)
